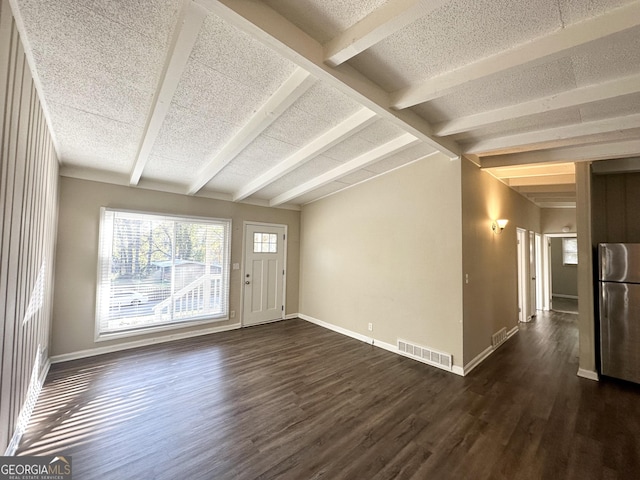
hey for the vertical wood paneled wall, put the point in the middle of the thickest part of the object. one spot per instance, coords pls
(614, 206)
(28, 217)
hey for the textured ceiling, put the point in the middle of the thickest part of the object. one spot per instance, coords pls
(282, 102)
(454, 35)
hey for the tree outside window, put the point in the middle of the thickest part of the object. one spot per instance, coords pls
(157, 270)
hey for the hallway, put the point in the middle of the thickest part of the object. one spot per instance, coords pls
(565, 305)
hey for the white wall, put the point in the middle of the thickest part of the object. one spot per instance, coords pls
(389, 252)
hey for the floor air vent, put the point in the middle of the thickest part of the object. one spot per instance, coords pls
(426, 355)
(499, 337)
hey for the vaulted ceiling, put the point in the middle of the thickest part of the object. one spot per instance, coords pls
(281, 102)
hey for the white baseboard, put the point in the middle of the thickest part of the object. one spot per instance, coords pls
(372, 341)
(386, 346)
(335, 328)
(291, 316)
(65, 357)
(588, 374)
(561, 295)
(27, 410)
(482, 356)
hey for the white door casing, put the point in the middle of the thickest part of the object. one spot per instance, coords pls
(264, 273)
(531, 311)
(523, 283)
(539, 274)
(546, 273)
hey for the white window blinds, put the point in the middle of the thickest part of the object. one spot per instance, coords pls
(156, 270)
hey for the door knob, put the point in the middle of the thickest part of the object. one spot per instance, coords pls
(247, 282)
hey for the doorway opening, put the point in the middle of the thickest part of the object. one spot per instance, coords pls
(563, 272)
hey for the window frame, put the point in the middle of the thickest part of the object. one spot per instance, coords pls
(100, 336)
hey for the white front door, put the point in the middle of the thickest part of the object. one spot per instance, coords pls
(264, 273)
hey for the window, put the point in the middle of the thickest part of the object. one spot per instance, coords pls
(569, 251)
(160, 271)
(265, 243)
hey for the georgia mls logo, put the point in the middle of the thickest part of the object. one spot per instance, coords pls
(60, 466)
(35, 468)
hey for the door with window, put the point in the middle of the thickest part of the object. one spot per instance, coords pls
(264, 273)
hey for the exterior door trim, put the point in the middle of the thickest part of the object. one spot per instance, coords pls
(244, 262)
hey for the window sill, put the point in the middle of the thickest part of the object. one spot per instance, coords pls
(134, 332)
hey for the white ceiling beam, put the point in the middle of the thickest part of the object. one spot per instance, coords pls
(570, 98)
(585, 153)
(537, 170)
(622, 165)
(298, 83)
(368, 158)
(557, 204)
(103, 176)
(607, 125)
(548, 180)
(273, 30)
(324, 142)
(384, 21)
(546, 189)
(554, 196)
(537, 51)
(565, 198)
(184, 38)
(610, 137)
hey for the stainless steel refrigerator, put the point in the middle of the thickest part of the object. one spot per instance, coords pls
(620, 310)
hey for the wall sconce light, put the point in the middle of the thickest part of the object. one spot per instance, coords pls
(498, 225)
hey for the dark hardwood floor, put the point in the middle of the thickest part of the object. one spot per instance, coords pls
(564, 305)
(292, 400)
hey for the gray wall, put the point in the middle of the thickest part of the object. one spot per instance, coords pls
(389, 252)
(564, 278)
(28, 210)
(76, 262)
